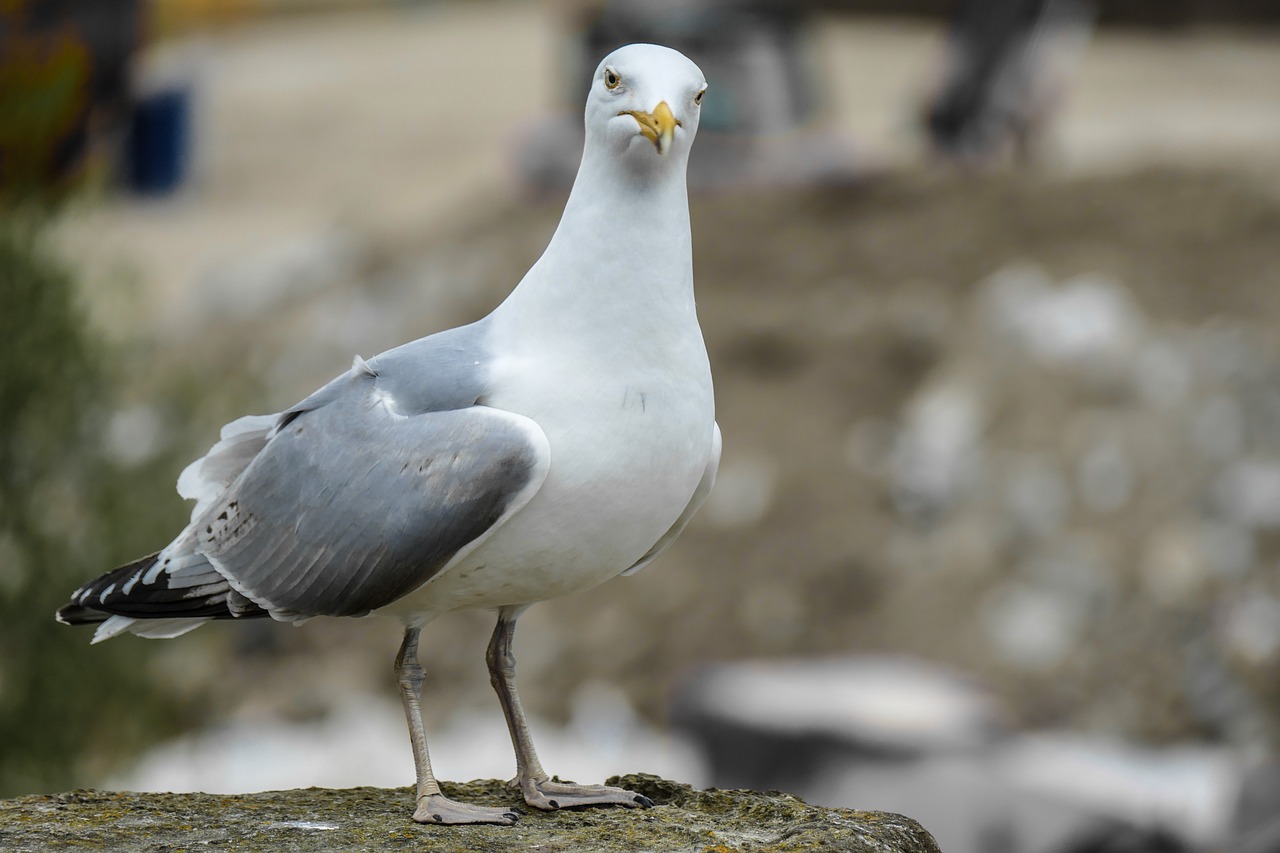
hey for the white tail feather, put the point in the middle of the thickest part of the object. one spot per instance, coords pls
(207, 477)
(152, 629)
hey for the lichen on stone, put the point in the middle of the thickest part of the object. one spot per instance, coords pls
(315, 819)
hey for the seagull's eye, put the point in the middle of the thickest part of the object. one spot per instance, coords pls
(611, 79)
(697, 99)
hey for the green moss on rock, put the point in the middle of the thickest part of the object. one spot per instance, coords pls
(315, 819)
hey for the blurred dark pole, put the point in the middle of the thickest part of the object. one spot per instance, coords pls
(1139, 13)
(1003, 76)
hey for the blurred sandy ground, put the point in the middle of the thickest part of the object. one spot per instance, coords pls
(399, 123)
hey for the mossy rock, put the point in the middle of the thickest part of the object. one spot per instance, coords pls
(682, 819)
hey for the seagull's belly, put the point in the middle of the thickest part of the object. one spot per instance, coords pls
(624, 464)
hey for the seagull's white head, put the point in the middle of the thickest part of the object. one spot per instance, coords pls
(643, 104)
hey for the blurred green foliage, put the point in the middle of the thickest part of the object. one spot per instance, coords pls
(66, 513)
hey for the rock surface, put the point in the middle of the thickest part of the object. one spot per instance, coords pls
(315, 819)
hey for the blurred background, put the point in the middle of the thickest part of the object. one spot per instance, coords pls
(991, 290)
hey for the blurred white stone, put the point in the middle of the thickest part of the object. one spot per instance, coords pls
(1251, 627)
(1083, 322)
(134, 435)
(1162, 374)
(744, 491)
(1031, 627)
(1228, 550)
(1105, 478)
(1038, 793)
(1073, 569)
(1011, 293)
(936, 455)
(917, 740)
(1217, 428)
(1190, 790)
(1222, 351)
(877, 702)
(1248, 492)
(1036, 493)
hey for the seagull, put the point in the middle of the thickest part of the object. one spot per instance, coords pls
(565, 439)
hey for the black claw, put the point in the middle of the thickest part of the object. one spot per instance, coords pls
(644, 801)
(437, 818)
(553, 804)
(512, 816)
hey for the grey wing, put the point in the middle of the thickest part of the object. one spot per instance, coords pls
(447, 360)
(354, 504)
(699, 497)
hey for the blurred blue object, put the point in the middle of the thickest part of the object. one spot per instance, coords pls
(159, 143)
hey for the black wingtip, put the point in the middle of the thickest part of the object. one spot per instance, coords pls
(124, 592)
(75, 614)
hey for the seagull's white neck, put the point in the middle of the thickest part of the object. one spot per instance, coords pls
(620, 263)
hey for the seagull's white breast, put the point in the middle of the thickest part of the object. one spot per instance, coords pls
(630, 441)
(598, 345)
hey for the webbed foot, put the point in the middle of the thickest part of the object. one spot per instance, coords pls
(548, 795)
(439, 809)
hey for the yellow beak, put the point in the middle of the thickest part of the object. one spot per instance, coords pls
(658, 126)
